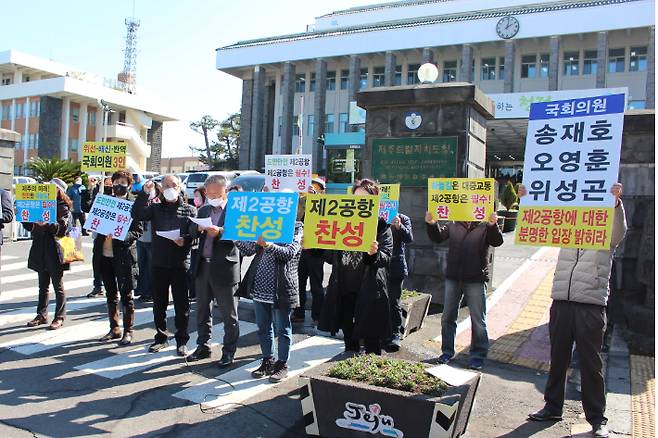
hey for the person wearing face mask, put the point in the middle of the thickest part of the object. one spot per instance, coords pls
(75, 194)
(199, 201)
(117, 262)
(97, 291)
(217, 275)
(170, 258)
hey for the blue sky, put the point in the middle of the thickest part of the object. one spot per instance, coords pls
(177, 42)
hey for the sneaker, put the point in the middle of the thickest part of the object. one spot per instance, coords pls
(127, 339)
(181, 350)
(226, 360)
(476, 363)
(110, 336)
(545, 415)
(96, 292)
(56, 324)
(199, 354)
(279, 372)
(600, 431)
(265, 368)
(38, 320)
(445, 358)
(157, 346)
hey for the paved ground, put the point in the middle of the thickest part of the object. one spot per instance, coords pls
(66, 384)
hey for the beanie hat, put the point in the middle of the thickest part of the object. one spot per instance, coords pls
(59, 183)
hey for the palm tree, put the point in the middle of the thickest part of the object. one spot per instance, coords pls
(46, 169)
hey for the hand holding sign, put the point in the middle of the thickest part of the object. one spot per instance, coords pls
(428, 218)
(374, 247)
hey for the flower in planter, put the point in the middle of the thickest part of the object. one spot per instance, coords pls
(406, 294)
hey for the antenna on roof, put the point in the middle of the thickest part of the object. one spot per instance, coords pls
(127, 78)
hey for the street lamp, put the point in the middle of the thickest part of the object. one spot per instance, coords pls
(428, 73)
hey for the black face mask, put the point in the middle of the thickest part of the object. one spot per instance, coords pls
(120, 190)
(107, 190)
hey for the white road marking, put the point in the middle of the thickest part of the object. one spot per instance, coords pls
(25, 314)
(34, 276)
(7, 257)
(13, 267)
(304, 355)
(33, 291)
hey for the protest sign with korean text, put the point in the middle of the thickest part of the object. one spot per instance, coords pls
(389, 201)
(110, 216)
(460, 199)
(103, 156)
(253, 214)
(571, 162)
(291, 172)
(36, 203)
(341, 222)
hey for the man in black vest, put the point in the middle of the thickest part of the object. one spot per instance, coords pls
(217, 275)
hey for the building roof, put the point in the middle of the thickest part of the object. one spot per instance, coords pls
(378, 6)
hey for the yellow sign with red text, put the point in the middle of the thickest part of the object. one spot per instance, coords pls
(103, 156)
(460, 199)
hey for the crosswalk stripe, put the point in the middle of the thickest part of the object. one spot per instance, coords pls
(304, 355)
(25, 314)
(34, 276)
(7, 257)
(139, 359)
(13, 267)
(33, 291)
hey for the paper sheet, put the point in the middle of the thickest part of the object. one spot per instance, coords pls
(171, 234)
(204, 222)
(452, 376)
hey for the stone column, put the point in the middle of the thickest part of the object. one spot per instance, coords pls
(651, 68)
(553, 62)
(287, 107)
(26, 131)
(428, 56)
(319, 107)
(82, 130)
(389, 69)
(257, 114)
(510, 57)
(245, 124)
(601, 57)
(66, 120)
(99, 123)
(355, 82)
(467, 63)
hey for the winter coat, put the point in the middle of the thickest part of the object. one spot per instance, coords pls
(583, 275)
(284, 260)
(124, 255)
(75, 193)
(166, 216)
(400, 238)
(44, 256)
(7, 207)
(468, 248)
(372, 318)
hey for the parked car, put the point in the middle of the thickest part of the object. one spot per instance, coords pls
(23, 180)
(250, 182)
(196, 179)
(139, 178)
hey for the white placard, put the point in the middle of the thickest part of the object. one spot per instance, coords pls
(109, 216)
(292, 172)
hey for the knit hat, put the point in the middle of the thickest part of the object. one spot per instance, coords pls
(59, 183)
(320, 182)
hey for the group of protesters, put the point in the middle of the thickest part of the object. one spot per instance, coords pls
(362, 298)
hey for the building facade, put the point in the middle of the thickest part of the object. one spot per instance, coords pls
(57, 109)
(297, 88)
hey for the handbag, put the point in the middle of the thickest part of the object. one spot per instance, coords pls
(69, 247)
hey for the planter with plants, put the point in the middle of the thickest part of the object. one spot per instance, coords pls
(509, 199)
(415, 306)
(368, 395)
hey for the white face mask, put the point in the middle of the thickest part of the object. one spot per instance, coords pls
(171, 194)
(217, 202)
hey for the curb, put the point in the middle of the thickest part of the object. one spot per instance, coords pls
(618, 385)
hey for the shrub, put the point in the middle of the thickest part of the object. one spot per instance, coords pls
(44, 170)
(389, 373)
(508, 197)
(406, 294)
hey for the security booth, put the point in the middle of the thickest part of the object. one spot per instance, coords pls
(343, 157)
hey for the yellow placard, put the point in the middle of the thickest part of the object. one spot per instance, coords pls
(341, 222)
(460, 199)
(36, 192)
(389, 192)
(103, 156)
(566, 227)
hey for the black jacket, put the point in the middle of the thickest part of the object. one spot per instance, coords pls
(124, 255)
(44, 256)
(166, 216)
(372, 318)
(468, 248)
(7, 210)
(400, 239)
(225, 265)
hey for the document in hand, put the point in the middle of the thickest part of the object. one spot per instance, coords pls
(205, 222)
(171, 234)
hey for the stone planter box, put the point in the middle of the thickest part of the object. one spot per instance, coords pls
(346, 409)
(510, 219)
(414, 311)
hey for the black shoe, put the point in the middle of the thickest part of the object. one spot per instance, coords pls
(157, 346)
(127, 339)
(96, 292)
(545, 415)
(265, 368)
(279, 372)
(393, 345)
(226, 360)
(199, 354)
(297, 318)
(600, 431)
(181, 350)
(110, 336)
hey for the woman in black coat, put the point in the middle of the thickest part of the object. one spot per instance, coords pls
(44, 259)
(117, 262)
(357, 296)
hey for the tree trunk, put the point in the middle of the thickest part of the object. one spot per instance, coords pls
(205, 137)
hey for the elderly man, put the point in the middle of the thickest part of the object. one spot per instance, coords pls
(217, 275)
(170, 257)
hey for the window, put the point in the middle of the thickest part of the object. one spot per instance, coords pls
(91, 117)
(412, 74)
(310, 126)
(331, 80)
(488, 69)
(344, 79)
(590, 62)
(501, 68)
(26, 79)
(279, 126)
(398, 75)
(329, 123)
(616, 60)
(342, 122)
(34, 109)
(20, 110)
(378, 77)
(6, 112)
(637, 104)
(528, 66)
(311, 85)
(544, 60)
(36, 140)
(363, 78)
(300, 83)
(638, 59)
(449, 71)
(73, 144)
(295, 126)
(75, 114)
(571, 63)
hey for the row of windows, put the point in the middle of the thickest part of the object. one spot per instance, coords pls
(32, 141)
(22, 110)
(329, 124)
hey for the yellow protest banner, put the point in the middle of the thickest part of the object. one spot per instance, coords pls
(460, 199)
(566, 227)
(103, 156)
(341, 222)
(36, 203)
